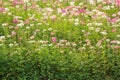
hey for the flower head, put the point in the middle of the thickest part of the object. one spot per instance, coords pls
(15, 21)
(26, 1)
(54, 39)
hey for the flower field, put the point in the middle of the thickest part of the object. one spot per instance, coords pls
(59, 40)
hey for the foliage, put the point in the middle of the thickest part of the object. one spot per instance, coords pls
(59, 40)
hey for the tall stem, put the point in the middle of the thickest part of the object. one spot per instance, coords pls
(26, 9)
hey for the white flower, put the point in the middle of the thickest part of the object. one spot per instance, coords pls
(104, 33)
(11, 44)
(118, 42)
(74, 44)
(8, 36)
(50, 44)
(17, 6)
(83, 30)
(99, 1)
(7, 9)
(118, 13)
(44, 30)
(76, 24)
(72, 3)
(28, 27)
(80, 4)
(61, 0)
(83, 48)
(112, 6)
(1, 44)
(97, 29)
(98, 24)
(89, 24)
(20, 25)
(91, 28)
(91, 2)
(68, 44)
(25, 0)
(32, 41)
(9, 13)
(108, 40)
(106, 7)
(76, 20)
(118, 35)
(59, 10)
(49, 29)
(4, 24)
(15, 51)
(2, 37)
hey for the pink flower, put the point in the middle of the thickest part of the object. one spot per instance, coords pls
(37, 30)
(53, 17)
(32, 37)
(116, 47)
(54, 39)
(16, 27)
(27, 21)
(63, 11)
(15, 2)
(113, 30)
(87, 41)
(114, 20)
(81, 11)
(52, 33)
(15, 21)
(76, 14)
(87, 33)
(13, 33)
(107, 1)
(114, 15)
(2, 9)
(82, 22)
(118, 2)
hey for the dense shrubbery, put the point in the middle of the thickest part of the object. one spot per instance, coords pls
(59, 40)
(53, 65)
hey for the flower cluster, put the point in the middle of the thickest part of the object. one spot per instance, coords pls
(59, 24)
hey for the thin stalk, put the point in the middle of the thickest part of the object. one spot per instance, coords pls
(26, 11)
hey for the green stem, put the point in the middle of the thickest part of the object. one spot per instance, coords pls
(26, 10)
